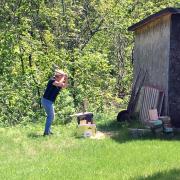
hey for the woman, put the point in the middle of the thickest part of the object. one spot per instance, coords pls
(54, 86)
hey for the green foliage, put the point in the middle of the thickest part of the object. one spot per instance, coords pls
(64, 108)
(87, 39)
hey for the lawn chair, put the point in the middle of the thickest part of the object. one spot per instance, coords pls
(159, 123)
(155, 124)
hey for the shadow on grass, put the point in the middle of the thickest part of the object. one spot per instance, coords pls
(166, 175)
(120, 133)
(34, 135)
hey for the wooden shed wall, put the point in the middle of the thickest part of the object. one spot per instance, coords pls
(174, 71)
(152, 44)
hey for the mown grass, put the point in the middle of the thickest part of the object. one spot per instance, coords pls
(26, 154)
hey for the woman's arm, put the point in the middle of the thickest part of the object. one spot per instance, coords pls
(59, 83)
(65, 85)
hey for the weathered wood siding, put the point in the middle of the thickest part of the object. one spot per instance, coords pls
(174, 71)
(152, 45)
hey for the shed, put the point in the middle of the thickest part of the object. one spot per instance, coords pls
(157, 50)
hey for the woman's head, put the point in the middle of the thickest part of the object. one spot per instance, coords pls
(59, 74)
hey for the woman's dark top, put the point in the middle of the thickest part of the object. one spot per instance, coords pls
(51, 91)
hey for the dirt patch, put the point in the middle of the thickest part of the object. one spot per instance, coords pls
(103, 135)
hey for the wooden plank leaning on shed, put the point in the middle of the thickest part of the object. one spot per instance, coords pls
(149, 98)
(138, 83)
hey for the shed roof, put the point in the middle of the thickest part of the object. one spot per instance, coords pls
(152, 17)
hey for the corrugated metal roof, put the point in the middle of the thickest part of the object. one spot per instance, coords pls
(152, 17)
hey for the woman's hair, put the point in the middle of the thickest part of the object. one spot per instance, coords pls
(59, 73)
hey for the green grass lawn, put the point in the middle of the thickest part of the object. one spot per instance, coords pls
(26, 154)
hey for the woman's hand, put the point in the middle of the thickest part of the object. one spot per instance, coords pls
(65, 81)
(61, 82)
(58, 84)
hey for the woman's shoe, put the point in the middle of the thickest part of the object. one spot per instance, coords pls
(45, 134)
